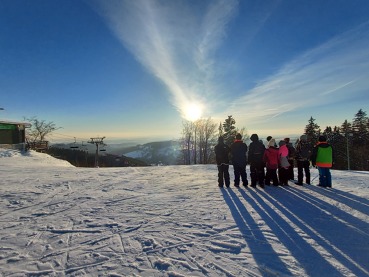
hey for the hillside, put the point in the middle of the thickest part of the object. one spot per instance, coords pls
(161, 152)
(60, 220)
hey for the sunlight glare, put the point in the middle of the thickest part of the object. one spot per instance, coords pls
(193, 112)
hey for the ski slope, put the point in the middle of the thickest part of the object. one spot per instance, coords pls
(59, 220)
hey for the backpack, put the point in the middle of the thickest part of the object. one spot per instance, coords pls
(291, 151)
(303, 151)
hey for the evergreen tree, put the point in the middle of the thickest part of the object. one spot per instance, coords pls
(360, 134)
(360, 128)
(229, 130)
(220, 130)
(328, 133)
(312, 130)
(346, 128)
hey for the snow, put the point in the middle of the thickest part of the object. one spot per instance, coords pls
(58, 220)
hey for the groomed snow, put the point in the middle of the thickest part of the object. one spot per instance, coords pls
(58, 220)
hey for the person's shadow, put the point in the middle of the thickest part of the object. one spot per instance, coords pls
(262, 251)
(342, 234)
(353, 201)
(318, 241)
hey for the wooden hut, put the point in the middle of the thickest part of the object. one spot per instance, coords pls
(13, 134)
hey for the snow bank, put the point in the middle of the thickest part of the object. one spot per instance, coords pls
(31, 158)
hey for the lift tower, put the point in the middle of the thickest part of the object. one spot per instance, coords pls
(97, 141)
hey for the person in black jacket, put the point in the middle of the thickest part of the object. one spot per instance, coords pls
(256, 153)
(303, 155)
(222, 158)
(238, 152)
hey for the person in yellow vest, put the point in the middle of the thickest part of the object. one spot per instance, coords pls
(322, 157)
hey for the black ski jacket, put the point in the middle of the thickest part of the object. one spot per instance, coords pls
(238, 152)
(222, 153)
(256, 152)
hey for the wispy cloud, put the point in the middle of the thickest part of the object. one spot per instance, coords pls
(177, 41)
(334, 72)
(172, 39)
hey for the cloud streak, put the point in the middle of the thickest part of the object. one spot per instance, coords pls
(331, 73)
(177, 42)
(172, 40)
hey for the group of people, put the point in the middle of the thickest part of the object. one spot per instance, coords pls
(273, 164)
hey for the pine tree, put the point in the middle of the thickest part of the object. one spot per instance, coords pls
(220, 130)
(328, 133)
(360, 135)
(346, 128)
(229, 130)
(360, 127)
(312, 130)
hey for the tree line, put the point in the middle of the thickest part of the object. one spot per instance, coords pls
(350, 141)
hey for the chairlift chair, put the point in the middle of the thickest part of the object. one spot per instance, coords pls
(74, 145)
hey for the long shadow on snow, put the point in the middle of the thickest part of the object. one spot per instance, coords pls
(339, 233)
(308, 257)
(260, 248)
(356, 202)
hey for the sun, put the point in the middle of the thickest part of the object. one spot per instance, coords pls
(193, 111)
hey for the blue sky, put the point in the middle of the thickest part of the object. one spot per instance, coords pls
(133, 69)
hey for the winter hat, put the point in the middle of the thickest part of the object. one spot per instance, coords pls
(303, 137)
(322, 139)
(254, 137)
(282, 142)
(269, 138)
(287, 140)
(220, 139)
(238, 136)
(271, 142)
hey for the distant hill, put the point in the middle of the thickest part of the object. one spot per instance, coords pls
(161, 152)
(157, 153)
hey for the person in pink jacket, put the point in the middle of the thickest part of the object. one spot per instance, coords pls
(283, 163)
(271, 159)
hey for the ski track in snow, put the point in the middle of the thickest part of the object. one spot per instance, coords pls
(57, 220)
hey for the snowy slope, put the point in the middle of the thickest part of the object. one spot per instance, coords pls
(58, 220)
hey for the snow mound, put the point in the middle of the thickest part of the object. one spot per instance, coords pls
(32, 158)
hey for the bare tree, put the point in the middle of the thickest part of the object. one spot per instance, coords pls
(207, 133)
(187, 141)
(39, 129)
(197, 141)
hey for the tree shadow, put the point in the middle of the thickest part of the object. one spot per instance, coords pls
(262, 251)
(344, 236)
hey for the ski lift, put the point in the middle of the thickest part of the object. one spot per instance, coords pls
(74, 145)
(103, 148)
(84, 147)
